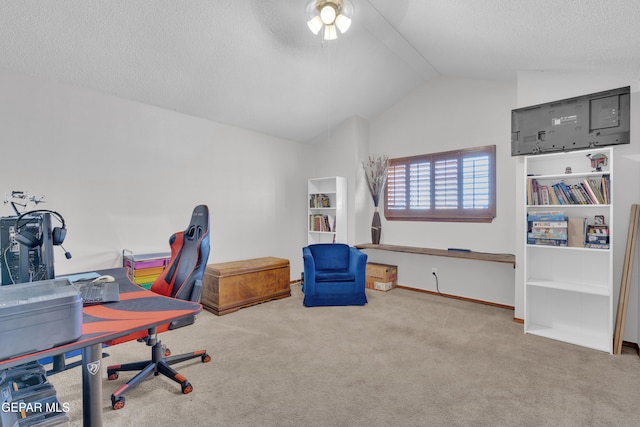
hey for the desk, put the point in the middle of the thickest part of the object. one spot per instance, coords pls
(478, 256)
(485, 279)
(137, 310)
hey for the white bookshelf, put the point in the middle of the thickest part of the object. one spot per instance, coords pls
(332, 212)
(569, 290)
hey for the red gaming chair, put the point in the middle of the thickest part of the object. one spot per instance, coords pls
(182, 279)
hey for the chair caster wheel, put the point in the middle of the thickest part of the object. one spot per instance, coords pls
(112, 376)
(206, 358)
(117, 403)
(187, 388)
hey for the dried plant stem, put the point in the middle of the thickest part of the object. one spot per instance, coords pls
(376, 170)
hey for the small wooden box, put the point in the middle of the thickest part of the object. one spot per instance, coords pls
(230, 286)
(385, 275)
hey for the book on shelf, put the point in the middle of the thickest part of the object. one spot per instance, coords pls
(601, 230)
(606, 188)
(544, 195)
(543, 235)
(547, 228)
(549, 224)
(319, 201)
(601, 240)
(597, 246)
(601, 189)
(590, 191)
(319, 222)
(548, 233)
(532, 192)
(546, 216)
(546, 242)
(590, 187)
(587, 200)
(597, 236)
(570, 196)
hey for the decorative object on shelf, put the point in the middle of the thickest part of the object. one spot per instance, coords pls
(330, 15)
(567, 170)
(376, 171)
(598, 160)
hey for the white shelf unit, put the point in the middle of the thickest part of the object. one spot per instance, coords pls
(333, 213)
(569, 290)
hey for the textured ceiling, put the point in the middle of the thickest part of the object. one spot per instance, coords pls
(254, 63)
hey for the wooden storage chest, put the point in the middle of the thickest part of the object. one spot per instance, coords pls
(230, 286)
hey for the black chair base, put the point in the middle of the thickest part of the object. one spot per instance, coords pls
(159, 364)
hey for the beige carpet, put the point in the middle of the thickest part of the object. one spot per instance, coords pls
(405, 359)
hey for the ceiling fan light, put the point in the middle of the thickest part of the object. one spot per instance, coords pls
(328, 13)
(343, 23)
(329, 16)
(330, 32)
(315, 24)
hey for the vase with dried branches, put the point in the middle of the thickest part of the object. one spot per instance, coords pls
(376, 170)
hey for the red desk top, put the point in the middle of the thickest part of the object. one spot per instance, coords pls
(138, 309)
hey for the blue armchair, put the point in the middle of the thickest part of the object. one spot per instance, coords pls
(334, 274)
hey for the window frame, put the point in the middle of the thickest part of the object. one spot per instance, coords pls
(457, 214)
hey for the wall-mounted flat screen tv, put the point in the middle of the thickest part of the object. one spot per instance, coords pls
(593, 120)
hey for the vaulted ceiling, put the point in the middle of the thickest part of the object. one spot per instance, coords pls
(254, 63)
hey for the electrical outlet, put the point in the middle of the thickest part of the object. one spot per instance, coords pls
(434, 271)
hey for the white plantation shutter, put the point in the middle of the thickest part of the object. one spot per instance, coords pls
(420, 185)
(449, 186)
(446, 184)
(397, 183)
(475, 182)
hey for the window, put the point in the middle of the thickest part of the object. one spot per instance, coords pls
(456, 186)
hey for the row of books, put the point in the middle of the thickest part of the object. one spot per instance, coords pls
(319, 201)
(547, 228)
(318, 222)
(555, 229)
(588, 192)
(597, 237)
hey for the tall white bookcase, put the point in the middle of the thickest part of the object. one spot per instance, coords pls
(568, 293)
(327, 210)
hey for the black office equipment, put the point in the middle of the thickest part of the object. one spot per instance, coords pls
(594, 120)
(20, 263)
(38, 316)
(28, 399)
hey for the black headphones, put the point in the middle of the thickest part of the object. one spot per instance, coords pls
(31, 240)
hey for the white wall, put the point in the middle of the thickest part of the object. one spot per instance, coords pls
(448, 114)
(442, 115)
(539, 87)
(127, 175)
